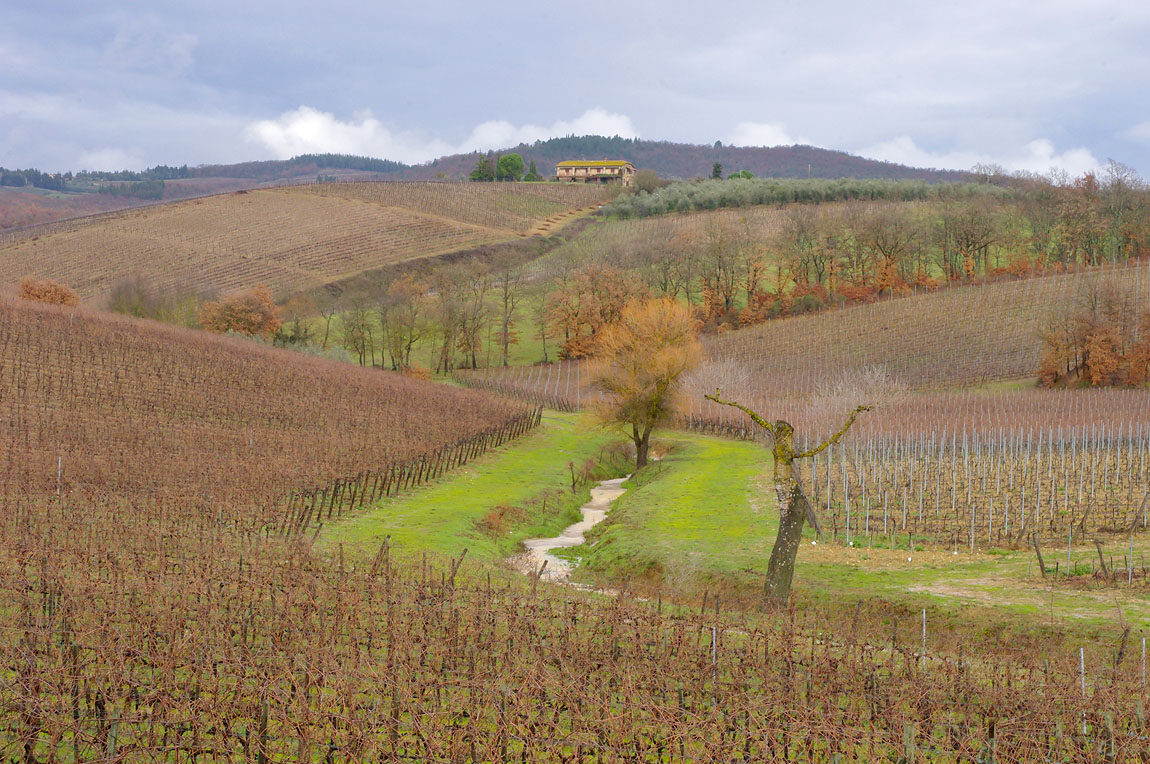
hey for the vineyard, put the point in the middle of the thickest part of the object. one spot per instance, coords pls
(160, 636)
(505, 206)
(933, 340)
(167, 600)
(968, 468)
(955, 337)
(289, 239)
(103, 408)
(626, 243)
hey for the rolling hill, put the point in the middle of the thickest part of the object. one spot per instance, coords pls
(110, 408)
(931, 341)
(25, 206)
(289, 239)
(684, 160)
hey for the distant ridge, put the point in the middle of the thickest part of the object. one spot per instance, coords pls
(669, 160)
(27, 206)
(686, 160)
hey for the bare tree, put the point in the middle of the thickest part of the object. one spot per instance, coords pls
(509, 282)
(474, 313)
(329, 307)
(405, 305)
(794, 508)
(890, 235)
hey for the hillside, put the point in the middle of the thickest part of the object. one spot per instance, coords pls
(957, 337)
(953, 337)
(109, 408)
(685, 160)
(289, 239)
(26, 205)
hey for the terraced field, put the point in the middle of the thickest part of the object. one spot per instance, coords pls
(288, 239)
(506, 206)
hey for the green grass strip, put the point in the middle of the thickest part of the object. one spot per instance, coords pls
(444, 517)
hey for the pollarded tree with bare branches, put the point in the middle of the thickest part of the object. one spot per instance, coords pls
(794, 508)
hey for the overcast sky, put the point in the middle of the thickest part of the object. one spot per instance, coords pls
(117, 84)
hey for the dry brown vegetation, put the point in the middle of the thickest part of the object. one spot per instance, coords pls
(155, 613)
(290, 238)
(954, 337)
(161, 635)
(47, 291)
(114, 409)
(253, 313)
(504, 206)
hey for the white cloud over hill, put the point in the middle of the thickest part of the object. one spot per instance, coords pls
(310, 131)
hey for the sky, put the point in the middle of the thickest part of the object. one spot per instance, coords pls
(120, 84)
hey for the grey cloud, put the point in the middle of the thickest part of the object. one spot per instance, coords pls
(942, 81)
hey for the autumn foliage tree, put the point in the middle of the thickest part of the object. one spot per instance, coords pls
(592, 298)
(640, 361)
(253, 312)
(1096, 341)
(47, 291)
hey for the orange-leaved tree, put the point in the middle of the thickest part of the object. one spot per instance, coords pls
(47, 291)
(591, 298)
(640, 361)
(253, 312)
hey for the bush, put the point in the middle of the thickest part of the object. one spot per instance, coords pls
(418, 372)
(807, 303)
(47, 291)
(136, 296)
(254, 312)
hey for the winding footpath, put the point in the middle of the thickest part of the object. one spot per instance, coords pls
(537, 551)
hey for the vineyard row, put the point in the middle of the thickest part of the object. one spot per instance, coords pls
(307, 507)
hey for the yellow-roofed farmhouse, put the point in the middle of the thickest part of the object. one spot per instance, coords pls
(596, 171)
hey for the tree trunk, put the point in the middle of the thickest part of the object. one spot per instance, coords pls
(792, 514)
(642, 442)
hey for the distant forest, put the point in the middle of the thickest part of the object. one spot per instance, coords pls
(685, 161)
(87, 180)
(668, 160)
(304, 164)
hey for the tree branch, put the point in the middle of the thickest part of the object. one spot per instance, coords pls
(832, 440)
(757, 419)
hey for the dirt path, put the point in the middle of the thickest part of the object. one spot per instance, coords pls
(537, 551)
(555, 222)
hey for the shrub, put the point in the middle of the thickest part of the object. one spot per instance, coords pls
(47, 291)
(137, 296)
(418, 372)
(254, 312)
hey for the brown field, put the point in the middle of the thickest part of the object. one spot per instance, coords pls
(952, 338)
(105, 408)
(505, 206)
(289, 239)
(20, 207)
(161, 636)
(155, 612)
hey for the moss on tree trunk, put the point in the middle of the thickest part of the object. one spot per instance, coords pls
(794, 509)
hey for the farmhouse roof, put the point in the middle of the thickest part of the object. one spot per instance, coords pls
(593, 163)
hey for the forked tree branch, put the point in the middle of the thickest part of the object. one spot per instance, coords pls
(834, 439)
(757, 419)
